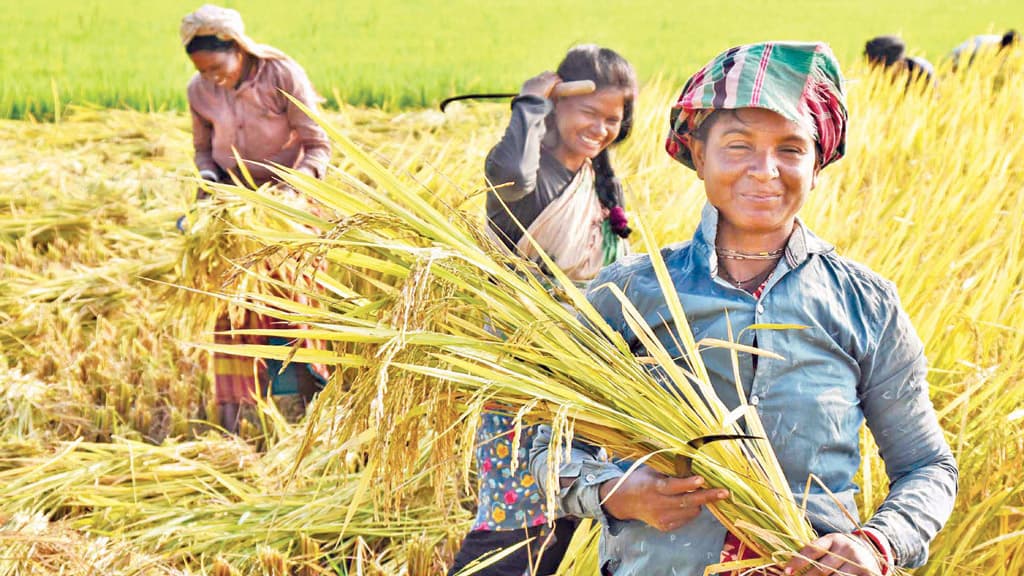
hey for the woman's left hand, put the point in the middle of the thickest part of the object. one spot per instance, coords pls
(836, 554)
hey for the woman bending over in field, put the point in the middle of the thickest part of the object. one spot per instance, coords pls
(561, 188)
(237, 98)
(757, 124)
(889, 53)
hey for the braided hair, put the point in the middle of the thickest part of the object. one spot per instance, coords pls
(607, 69)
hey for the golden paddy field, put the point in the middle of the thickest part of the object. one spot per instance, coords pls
(109, 466)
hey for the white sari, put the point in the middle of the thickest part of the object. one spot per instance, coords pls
(569, 230)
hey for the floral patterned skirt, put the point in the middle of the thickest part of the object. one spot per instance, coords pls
(507, 500)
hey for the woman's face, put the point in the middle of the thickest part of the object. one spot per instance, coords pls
(587, 124)
(222, 68)
(757, 168)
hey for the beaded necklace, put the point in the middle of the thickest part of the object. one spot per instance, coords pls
(730, 254)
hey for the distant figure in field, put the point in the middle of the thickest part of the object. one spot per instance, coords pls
(889, 52)
(981, 44)
(238, 103)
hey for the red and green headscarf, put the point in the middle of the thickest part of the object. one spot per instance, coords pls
(799, 80)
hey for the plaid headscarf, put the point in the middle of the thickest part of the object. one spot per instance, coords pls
(799, 80)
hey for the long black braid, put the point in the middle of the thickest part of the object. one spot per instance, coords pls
(609, 192)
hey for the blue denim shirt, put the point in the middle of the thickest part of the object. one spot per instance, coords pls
(859, 359)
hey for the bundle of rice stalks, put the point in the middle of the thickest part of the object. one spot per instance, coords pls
(115, 368)
(33, 409)
(464, 324)
(211, 262)
(87, 212)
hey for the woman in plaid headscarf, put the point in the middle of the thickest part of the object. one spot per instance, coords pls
(757, 124)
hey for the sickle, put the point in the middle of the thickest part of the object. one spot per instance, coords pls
(561, 90)
(683, 463)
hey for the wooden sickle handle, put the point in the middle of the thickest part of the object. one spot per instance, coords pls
(575, 88)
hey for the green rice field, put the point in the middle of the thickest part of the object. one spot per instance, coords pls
(393, 54)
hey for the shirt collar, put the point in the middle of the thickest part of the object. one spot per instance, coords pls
(802, 243)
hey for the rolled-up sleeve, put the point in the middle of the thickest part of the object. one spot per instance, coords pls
(587, 467)
(921, 468)
(316, 147)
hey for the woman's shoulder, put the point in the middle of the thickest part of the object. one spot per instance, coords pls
(825, 259)
(283, 70)
(874, 294)
(552, 168)
(857, 272)
(203, 95)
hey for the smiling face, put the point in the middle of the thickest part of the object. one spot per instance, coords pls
(222, 68)
(757, 167)
(587, 125)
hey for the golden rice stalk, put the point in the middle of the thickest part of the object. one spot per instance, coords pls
(217, 501)
(273, 562)
(32, 546)
(548, 365)
(221, 567)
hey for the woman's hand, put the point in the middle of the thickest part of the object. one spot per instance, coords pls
(664, 502)
(540, 85)
(836, 554)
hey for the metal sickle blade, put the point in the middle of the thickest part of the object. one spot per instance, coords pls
(697, 443)
(561, 90)
(684, 464)
(447, 101)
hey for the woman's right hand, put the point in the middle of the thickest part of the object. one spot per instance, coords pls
(664, 502)
(540, 85)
